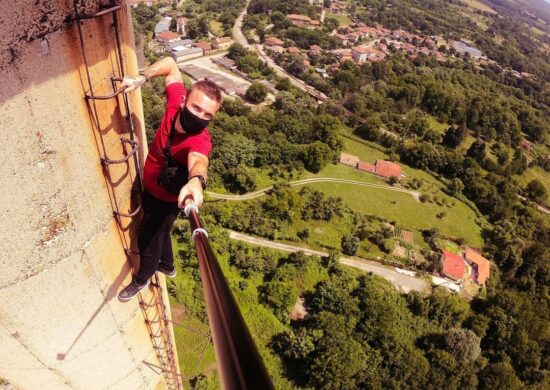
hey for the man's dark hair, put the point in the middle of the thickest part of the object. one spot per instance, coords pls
(209, 88)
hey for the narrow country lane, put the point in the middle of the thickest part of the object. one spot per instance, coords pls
(257, 194)
(405, 283)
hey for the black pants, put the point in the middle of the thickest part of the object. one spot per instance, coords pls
(154, 236)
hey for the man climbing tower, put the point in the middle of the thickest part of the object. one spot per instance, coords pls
(176, 166)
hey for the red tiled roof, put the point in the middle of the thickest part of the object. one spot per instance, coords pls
(298, 17)
(202, 45)
(167, 35)
(273, 41)
(364, 166)
(293, 50)
(387, 169)
(483, 265)
(453, 266)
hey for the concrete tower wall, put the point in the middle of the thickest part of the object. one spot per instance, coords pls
(62, 258)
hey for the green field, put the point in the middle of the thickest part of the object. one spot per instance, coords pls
(536, 173)
(436, 125)
(343, 19)
(216, 28)
(459, 220)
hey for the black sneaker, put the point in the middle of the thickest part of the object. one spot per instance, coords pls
(131, 291)
(170, 273)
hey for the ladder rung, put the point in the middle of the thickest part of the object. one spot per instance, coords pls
(99, 13)
(132, 143)
(128, 215)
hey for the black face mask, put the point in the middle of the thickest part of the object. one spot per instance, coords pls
(191, 123)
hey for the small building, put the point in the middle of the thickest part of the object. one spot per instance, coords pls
(453, 266)
(314, 50)
(322, 72)
(343, 54)
(204, 46)
(179, 44)
(167, 37)
(273, 41)
(342, 39)
(186, 54)
(354, 37)
(366, 167)
(463, 48)
(293, 50)
(481, 267)
(387, 169)
(299, 20)
(182, 22)
(349, 159)
(360, 53)
(222, 43)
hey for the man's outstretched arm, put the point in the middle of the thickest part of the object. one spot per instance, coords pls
(165, 67)
(198, 166)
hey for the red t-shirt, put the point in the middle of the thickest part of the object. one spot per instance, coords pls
(182, 145)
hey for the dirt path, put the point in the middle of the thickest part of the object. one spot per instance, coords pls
(403, 282)
(256, 194)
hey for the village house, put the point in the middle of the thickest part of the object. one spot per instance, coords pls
(353, 37)
(273, 41)
(453, 266)
(179, 44)
(463, 48)
(481, 267)
(293, 50)
(222, 43)
(314, 50)
(361, 54)
(387, 169)
(366, 167)
(322, 72)
(182, 22)
(342, 39)
(349, 159)
(303, 21)
(186, 54)
(204, 46)
(167, 37)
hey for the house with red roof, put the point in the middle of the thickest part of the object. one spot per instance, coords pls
(366, 167)
(453, 266)
(342, 39)
(273, 41)
(314, 50)
(167, 36)
(204, 46)
(387, 169)
(481, 267)
(293, 50)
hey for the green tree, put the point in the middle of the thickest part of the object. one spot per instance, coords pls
(455, 186)
(499, 376)
(536, 191)
(256, 93)
(350, 244)
(316, 156)
(463, 344)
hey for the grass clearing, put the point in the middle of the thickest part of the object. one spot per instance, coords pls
(216, 28)
(436, 125)
(536, 173)
(343, 19)
(477, 5)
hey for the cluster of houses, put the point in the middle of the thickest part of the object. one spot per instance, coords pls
(182, 49)
(382, 168)
(468, 263)
(303, 21)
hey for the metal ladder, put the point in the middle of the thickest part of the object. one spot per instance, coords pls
(154, 310)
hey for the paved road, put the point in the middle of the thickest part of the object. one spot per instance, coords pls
(403, 282)
(540, 207)
(257, 194)
(237, 28)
